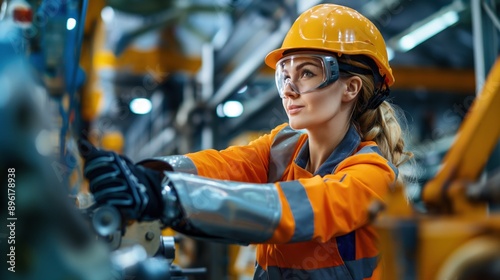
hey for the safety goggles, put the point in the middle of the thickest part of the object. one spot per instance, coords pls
(305, 73)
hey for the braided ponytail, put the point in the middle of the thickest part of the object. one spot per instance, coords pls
(381, 124)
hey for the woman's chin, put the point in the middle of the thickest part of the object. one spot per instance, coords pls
(295, 124)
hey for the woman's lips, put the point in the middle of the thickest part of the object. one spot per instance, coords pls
(293, 110)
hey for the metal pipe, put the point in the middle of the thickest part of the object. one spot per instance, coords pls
(492, 15)
(245, 70)
(477, 39)
(253, 106)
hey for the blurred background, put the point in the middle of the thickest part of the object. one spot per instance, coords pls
(161, 77)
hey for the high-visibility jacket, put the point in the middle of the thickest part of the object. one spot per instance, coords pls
(322, 229)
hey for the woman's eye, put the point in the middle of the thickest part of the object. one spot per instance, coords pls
(307, 74)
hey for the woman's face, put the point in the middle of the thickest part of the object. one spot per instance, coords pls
(316, 107)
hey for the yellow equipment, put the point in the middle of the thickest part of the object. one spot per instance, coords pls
(457, 238)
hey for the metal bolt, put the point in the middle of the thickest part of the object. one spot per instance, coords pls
(150, 235)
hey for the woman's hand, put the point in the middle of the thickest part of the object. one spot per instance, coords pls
(114, 180)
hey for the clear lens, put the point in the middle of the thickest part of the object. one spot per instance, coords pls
(302, 73)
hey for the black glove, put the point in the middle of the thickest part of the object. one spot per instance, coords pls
(114, 180)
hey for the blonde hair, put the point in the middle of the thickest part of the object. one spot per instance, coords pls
(382, 124)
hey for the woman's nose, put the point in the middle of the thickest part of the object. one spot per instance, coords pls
(289, 90)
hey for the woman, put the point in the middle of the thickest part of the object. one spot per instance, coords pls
(302, 191)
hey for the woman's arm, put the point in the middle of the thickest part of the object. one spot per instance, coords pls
(248, 163)
(317, 208)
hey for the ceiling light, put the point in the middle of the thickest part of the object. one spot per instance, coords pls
(427, 30)
(140, 106)
(231, 109)
(390, 53)
(220, 110)
(107, 14)
(43, 142)
(243, 89)
(71, 23)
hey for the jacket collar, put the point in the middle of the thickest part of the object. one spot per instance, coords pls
(345, 148)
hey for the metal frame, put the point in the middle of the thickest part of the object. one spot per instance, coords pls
(485, 38)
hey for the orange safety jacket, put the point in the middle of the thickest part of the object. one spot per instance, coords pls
(323, 231)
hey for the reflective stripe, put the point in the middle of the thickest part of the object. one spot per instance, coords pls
(362, 268)
(275, 273)
(301, 210)
(355, 270)
(375, 149)
(369, 149)
(179, 163)
(281, 153)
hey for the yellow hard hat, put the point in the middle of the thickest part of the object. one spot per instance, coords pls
(336, 29)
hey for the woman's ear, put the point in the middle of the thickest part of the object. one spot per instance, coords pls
(353, 87)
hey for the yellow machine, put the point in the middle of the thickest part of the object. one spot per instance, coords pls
(457, 238)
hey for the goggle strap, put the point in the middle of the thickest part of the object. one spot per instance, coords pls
(382, 90)
(379, 96)
(332, 64)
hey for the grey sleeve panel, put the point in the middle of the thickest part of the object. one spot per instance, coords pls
(178, 163)
(281, 153)
(237, 212)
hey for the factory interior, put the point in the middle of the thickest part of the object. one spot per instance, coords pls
(154, 78)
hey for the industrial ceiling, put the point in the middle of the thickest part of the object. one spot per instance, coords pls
(213, 51)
